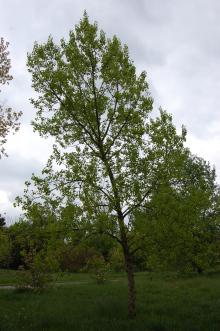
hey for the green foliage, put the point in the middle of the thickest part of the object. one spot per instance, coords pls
(20, 237)
(182, 222)
(98, 267)
(91, 98)
(117, 262)
(108, 154)
(75, 258)
(40, 232)
(5, 248)
(38, 272)
(101, 243)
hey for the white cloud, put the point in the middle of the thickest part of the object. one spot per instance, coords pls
(29, 145)
(3, 197)
(208, 148)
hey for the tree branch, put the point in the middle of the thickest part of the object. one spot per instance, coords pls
(75, 118)
(112, 117)
(118, 134)
(130, 209)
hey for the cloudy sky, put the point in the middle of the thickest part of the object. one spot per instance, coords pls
(177, 42)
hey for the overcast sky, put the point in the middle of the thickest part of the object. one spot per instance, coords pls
(177, 42)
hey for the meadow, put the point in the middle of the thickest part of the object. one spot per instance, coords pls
(165, 301)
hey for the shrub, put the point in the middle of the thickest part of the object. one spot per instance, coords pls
(5, 249)
(98, 267)
(37, 272)
(117, 260)
(75, 258)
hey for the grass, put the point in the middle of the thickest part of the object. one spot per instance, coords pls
(165, 302)
(8, 277)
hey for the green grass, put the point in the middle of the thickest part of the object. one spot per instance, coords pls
(165, 302)
(8, 277)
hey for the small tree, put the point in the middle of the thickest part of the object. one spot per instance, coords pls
(108, 154)
(98, 267)
(8, 118)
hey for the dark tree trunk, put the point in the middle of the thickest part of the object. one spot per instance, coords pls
(131, 286)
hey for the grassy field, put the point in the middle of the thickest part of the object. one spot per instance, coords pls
(165, 302)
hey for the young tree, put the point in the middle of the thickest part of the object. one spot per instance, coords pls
(8, 118)
(94, 104)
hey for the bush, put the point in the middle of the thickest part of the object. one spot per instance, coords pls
(5, 249)
(75, 258)
(98, 267)
(117, 260)
(37, 273)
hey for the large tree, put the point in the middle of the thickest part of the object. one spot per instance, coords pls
(108, 154)
(8, 117)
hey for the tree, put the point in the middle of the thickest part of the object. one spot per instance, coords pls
(91, 100)
(8, 118)
(2, 221)
(5, 248)
(182, 222)
(40, 236)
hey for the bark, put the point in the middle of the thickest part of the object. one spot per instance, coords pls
(131, 285)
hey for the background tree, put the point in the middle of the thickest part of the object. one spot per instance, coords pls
(181, 225)
(5, 248)
(2, 221)
(94, 104)
(8, 118)
(40, 234)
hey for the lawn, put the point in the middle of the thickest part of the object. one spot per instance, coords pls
(165, 302)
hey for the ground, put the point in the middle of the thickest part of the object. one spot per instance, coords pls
(165, 301)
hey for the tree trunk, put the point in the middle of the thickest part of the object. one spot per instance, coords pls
(131, 286)
(124, 239)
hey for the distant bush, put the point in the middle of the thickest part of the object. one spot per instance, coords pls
(37, 272)
(5, 249)
(98, 267)
(75, 258)
(117, 260)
